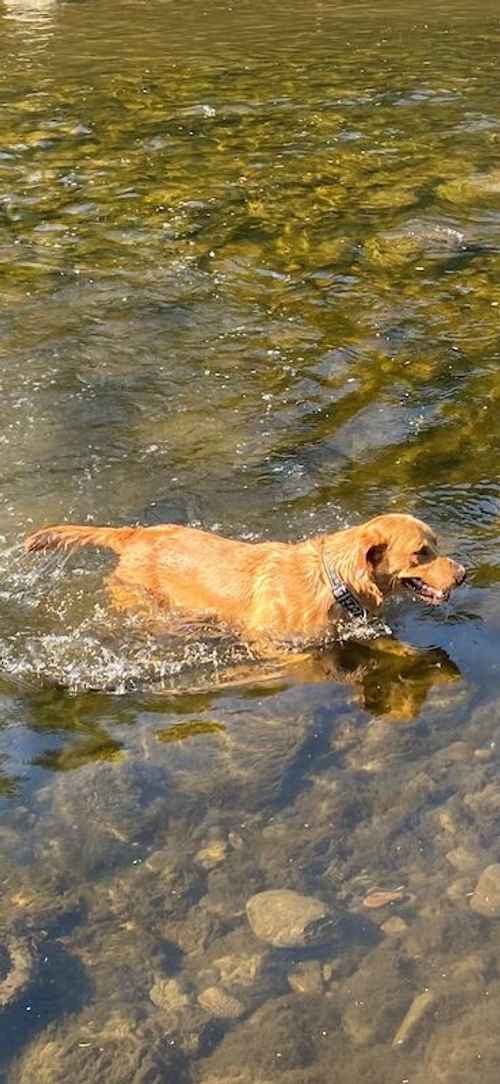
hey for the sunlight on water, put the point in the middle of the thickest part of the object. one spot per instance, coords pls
(249, 260)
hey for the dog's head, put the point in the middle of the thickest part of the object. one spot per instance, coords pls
(398, 552)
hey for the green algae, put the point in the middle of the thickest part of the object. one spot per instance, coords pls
(249, 265)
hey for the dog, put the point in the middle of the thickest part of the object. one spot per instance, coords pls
(270, 594)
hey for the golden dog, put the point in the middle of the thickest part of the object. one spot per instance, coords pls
(268, 593)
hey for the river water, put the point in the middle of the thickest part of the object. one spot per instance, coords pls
(249, 262)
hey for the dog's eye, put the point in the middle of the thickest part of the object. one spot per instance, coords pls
(424, 551)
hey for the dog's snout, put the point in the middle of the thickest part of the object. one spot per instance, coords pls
(460, 574)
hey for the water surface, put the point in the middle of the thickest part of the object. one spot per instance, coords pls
(249, 281)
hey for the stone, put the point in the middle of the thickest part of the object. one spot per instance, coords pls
(462, 859)
(216, 1001)
(238, 970)
(375, 997)
(477, 186)
(306, 978)
(17, 967)
(380, 899)
(211, 855)
(486, 896)
(168, 994)
(286, 919)
(395, 926)
(459, 889)
(272, 1043)
(419, 1008)
(465, 1049)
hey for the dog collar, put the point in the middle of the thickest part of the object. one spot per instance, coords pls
(345, 598)
(342, 595)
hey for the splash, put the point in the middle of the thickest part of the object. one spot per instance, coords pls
(50, 635)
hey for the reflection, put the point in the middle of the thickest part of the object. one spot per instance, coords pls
(393, 679)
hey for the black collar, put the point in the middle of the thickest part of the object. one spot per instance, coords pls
(342, 595)
(345, 598)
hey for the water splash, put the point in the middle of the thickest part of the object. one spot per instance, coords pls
(51, 635)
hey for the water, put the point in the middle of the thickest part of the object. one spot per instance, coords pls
(249, 260)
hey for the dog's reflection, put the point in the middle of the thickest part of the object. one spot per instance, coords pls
(391, 678)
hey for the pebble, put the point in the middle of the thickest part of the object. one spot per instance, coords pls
(462, 859)
(381, 899)
(486, 896)
(219, 1003)
(475, 186)
(484, 754)
(168, 994)
(286, 919)
(418, 1009)
(17, 975)
(306, 978)
(459, 889)
(395, 926)
(238, 970)
(212, 855)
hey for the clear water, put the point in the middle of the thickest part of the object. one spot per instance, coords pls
(249, 281)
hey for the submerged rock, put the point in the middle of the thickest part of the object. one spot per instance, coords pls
(277, 1039)
(168, 994)
(217, 1002)
(417, 238)
(286, 919)
(118, 1052)
(307, 978)
(477, 186)
(17, 966)
(486, 897)
(375, 998)
(418, 1009)
(467, 1049)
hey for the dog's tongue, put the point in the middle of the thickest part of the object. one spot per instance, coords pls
(432, 593)
(424, 591)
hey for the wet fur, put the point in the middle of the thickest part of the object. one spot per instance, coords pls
(268, 593)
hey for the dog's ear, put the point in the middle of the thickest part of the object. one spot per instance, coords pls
(369, 553)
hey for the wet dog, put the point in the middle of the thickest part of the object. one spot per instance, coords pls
(268, 593)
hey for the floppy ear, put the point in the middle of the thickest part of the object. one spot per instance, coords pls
(369, 552)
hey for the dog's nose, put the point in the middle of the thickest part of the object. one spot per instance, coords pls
(460, 574)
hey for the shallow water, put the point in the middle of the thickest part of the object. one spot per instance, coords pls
(249, 281)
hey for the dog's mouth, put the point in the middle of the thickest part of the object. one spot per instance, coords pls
(423, 591)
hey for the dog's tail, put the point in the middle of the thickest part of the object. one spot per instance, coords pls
(66, 535)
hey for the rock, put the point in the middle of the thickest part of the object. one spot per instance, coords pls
(395, 926)
(286, 919)
(238, 970)
(459, 889)
(381, 899)
(419, 238)
(168, 994)
(216, 1001)
(82, 1051)
(462, 859)
(465, 1049)
(212, 854)
(486, 897)
(419, 1008)
(483, 755)
(276, 1040)
(17, 967)
(477, 186)
(306, 978)
(374, 998)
